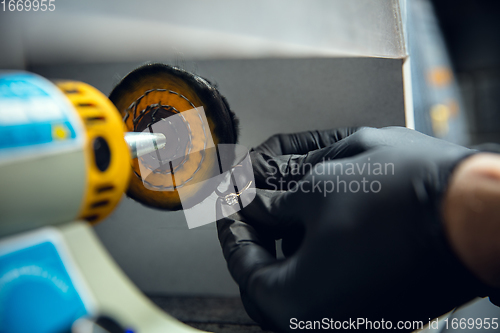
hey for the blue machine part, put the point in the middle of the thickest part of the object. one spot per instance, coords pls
(35, 117)
(37, 291)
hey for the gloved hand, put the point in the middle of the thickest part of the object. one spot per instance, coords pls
(366, 205)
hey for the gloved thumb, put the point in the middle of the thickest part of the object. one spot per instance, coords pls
(272, 212)
(258, 273)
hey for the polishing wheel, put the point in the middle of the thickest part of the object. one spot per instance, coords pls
(194, 118)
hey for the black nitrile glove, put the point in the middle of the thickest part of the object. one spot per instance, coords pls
(371, 242)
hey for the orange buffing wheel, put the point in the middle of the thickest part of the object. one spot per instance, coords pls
(156, 92)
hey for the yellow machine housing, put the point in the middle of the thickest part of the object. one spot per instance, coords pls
(79, 173)
(103, 125)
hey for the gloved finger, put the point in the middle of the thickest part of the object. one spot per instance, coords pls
(292, 240)
(278, 171)
(254, 269)
(244, 249)
(303, 142)
(224, 214)
(273, 213)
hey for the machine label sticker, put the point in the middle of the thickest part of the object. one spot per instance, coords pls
(35, 117)
(38, 281)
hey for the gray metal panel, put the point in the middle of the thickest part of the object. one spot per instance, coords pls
(115, 30)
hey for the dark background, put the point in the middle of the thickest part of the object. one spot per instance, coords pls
(472, 33)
